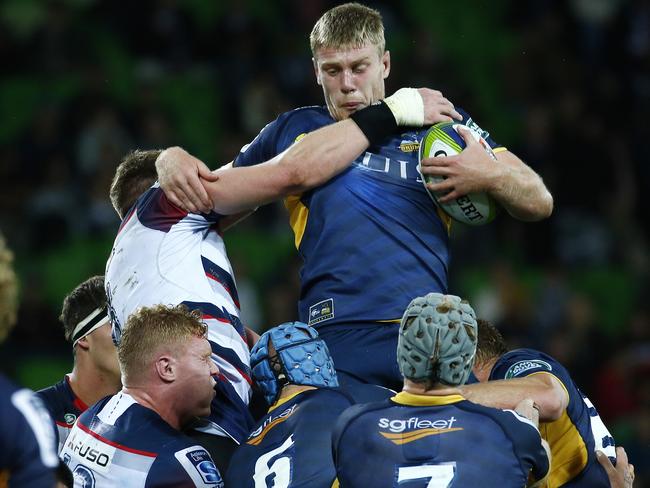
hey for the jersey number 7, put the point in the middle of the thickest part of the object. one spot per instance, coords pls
(434, 475)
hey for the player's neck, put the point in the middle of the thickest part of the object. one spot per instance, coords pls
(156, 400)
(437, 389)
(90, 384)
(483, 369)
(289, 391)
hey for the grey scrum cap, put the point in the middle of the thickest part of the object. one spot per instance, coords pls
(437, 339)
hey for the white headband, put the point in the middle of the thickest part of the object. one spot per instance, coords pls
(94, 320)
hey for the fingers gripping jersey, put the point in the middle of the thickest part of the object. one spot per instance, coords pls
(163, 255)
(27, 439)
(118, 442)
(291, 446)
(576, 435)
(370, 238)
(414, 440)
(64, 407)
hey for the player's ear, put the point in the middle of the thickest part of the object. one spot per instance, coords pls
(316, 71)
(166, 368)
(385, 61)
(83, 343)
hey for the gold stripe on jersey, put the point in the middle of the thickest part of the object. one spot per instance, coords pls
(335, 483)
(414, 435)
(405, 398)
(298, 214)
(568, 449)
(285, 399)
(499, 149)
(256, 440)
(446, 219)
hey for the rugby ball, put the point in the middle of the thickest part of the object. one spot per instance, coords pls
(443, 139)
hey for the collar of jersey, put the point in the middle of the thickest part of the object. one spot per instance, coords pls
(284, 400)
(405, 398)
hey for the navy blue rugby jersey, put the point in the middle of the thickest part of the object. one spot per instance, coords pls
(118, 442)
(412, 440)
(27, 439)
(576, 435)
(291, 445)
(371, 238)
(64, 407)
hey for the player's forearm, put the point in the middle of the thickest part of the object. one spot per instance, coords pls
(310, 162)
(322, 154)
(549, 396)
(521, 191)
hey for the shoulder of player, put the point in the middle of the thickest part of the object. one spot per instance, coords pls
(517, 428)
(334, 396)
(183, 459)
(518, 362)
(57, 397)
(355, 412)
(308, 118)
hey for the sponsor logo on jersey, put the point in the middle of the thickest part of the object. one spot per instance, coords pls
(258, 434)
(83, 477)
(69, 418)
(202, 462)
(321, 311)
(522, 366)
(396, 168)
(92, 452)
(404, 431)
(409, 146)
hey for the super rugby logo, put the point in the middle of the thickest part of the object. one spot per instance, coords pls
(404, 431)
(523, 366)
(321, 311)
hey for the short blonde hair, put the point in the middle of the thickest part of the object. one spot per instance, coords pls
(350, 25)
(8, 290)
(151, 329)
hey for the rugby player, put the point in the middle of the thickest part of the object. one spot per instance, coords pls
(133, 439)
(27, 438)
(96, 372)
(292, 443)
(371, 238)
(163, 254)
(568, 420)
(423, 434)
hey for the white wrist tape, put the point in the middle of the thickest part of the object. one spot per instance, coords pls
(407, 107)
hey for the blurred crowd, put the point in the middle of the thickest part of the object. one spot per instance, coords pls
(566, 85)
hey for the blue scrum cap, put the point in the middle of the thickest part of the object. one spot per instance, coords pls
(301, 358)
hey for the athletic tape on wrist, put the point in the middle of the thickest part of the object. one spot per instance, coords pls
(407, 107)
(377, 122)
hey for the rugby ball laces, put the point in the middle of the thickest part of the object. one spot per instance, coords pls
(443, 139)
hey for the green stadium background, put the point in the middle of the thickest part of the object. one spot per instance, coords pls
(565, 85)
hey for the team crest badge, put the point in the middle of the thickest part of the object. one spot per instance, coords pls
(69, 418)
(522, 366)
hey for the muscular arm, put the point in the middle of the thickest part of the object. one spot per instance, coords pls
(545, 390)
(520, 190)
(310, 162)
(510, 181)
